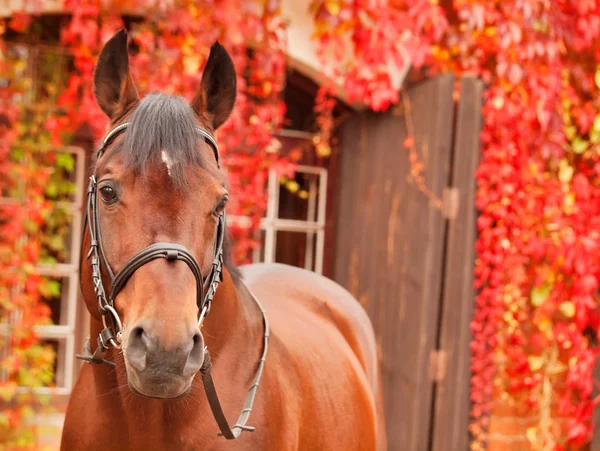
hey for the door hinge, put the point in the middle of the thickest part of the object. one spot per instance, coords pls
(437, 365)
(451, 202)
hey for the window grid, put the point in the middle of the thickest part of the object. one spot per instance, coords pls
(313, 226)
(64, 333)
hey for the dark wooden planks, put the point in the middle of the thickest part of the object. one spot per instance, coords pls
(594, 445)
(451, 408)
(389, 248)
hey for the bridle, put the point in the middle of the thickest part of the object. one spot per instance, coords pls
(205, 289)
(112, 334)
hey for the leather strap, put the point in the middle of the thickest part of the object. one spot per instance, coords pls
(211, 392)
(169, 251)
(110, 137)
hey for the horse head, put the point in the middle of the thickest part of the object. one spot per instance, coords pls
(158, 197)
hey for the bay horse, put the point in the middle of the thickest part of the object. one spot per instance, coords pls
(154, 251)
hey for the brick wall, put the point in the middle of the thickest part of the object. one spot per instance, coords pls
(509, 424)
(510, 421)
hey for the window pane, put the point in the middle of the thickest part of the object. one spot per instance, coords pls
(259, 253)
(62, 184)
(18, 60)
(297, 196)
(56, 236)
(51, 74)
(56, 293)
(296, 249)
(37, 373)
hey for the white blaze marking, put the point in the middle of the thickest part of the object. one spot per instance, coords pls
(167, 161)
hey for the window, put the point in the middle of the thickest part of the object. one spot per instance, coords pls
(63, 269)
(279, 228)
(39, 74)
(293, 230)
(59, 263)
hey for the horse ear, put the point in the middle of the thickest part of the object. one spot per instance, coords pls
(113, 86)
(216, 95)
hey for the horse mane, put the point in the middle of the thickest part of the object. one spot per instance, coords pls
(163, 123)
(166, 123)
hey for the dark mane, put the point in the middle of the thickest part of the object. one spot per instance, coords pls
(233, 270)
(163, 122)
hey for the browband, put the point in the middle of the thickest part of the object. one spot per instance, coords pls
(208, 137)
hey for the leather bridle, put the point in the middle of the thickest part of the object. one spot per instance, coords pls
(112, 334)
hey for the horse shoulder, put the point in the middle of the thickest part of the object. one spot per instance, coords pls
(287, 288)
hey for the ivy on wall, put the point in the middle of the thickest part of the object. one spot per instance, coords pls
(537, 272)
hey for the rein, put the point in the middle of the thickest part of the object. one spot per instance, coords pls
(112, 334)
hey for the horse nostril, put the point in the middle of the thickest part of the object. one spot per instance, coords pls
(196, 356)
(137, 348)
(198, 348)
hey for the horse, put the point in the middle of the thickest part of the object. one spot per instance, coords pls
(174, 355)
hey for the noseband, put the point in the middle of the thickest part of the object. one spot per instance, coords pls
(112, 334)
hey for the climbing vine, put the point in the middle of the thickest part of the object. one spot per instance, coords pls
(31, 177)
(536, 320)
(537, 272)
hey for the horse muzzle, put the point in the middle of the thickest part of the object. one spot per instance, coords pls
(158, 371)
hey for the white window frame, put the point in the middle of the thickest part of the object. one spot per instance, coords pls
(313, 226)
(69, 271)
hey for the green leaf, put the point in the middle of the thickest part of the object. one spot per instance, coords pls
(51, 190)
(579, 145)
(540, 294)
(48, 260)
(65, 161)
(570, 132)
(54, 287)
(17, 154)
(27, 411)
(596, 124)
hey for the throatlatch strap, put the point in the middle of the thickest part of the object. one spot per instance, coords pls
(211, 393)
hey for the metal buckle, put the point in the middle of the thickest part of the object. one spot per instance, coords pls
(117, 321)
(92, 184)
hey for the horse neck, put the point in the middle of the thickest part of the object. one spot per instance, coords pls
(234, 321)
(232, 333)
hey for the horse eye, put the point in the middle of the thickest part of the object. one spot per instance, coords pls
(220, 207)
(108, 194)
